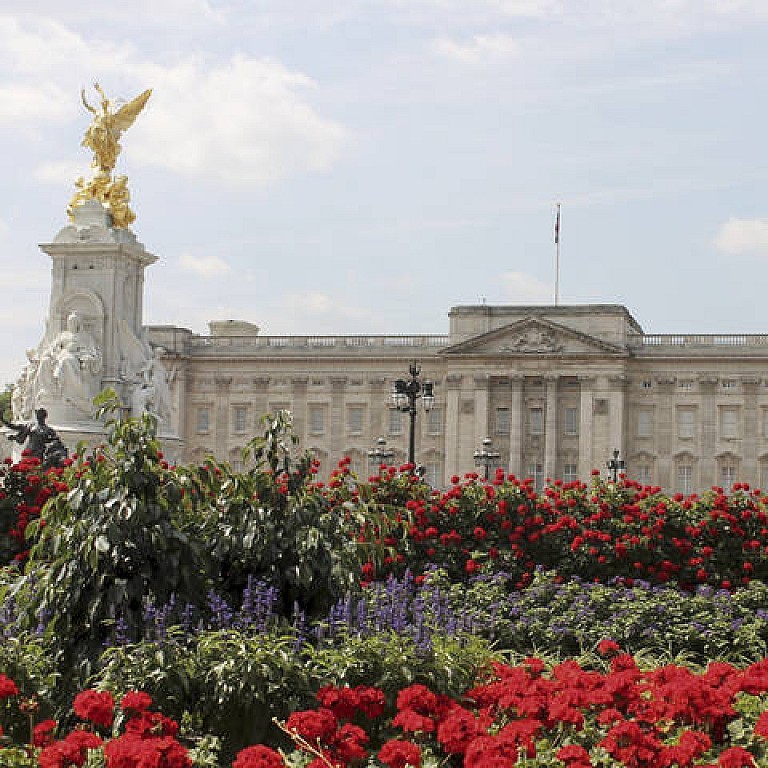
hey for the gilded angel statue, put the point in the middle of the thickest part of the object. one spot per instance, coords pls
(103, 139)
(103, 134)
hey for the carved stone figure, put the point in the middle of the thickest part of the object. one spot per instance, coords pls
(42, 441)
(152, 393)
(69, 368)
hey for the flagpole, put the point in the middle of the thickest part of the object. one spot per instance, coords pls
(557, 256)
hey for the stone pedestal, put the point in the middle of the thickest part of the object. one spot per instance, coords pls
(94, 335)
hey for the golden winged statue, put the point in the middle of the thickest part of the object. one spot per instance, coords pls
(103, 139)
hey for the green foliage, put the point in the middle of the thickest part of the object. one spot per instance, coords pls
(108, 547)
(270, 523)
(225, 682)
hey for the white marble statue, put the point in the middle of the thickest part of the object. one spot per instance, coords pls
(146, 376)
(152, 393)
(69, 368)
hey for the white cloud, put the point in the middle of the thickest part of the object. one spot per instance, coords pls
(58, 173)
(207, 266)
(478, 48)
(524, 288)
(244, 121)
(22, 103)
(743, 236)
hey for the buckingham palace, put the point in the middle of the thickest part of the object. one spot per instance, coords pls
(556, 389)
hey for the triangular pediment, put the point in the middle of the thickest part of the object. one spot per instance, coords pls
(534, 336)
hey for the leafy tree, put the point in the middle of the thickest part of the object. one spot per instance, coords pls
(109, 546)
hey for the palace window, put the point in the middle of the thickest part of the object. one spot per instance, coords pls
(203, 421)
(570, 473)
(686, 422)
(685, 479)
(536, 471)
(536, 421)
(502, 421)
(435, 421)
(395, 422)
(316, 419)
(729, 423)
(571, 421)
(727, 475)
(644, 422)
(239, 419)
(355, 416)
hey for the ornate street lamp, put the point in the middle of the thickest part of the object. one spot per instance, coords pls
(615, 465)
(404, 397)
(486, 457)
(379, 455)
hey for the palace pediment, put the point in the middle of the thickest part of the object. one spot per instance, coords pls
(534, 336)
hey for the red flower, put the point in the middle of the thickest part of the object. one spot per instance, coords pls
(315, 726)
(349, 743)
(574, 756)
(258, 756)
(42, 733)
(399, 754)
(135, 702)
(736, 757)
(761, 726)
(457, 730)
(72, 750)
(96, 706)
(608, 648)
(7, 687)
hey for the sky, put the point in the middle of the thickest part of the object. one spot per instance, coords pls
(361, 166)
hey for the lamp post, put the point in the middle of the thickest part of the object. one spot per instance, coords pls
(615, 465)
(486, 457)
(378, 455)
(405, 393)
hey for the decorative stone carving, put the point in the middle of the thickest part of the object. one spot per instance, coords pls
(145, 375)
(534, 340)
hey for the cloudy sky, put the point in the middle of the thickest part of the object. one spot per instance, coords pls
(360, 166)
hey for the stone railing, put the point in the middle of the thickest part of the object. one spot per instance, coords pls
(700, 340)
(316, 342)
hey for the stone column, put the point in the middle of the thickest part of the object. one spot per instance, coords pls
(221, 415)
(667, 431)
(707, 469)
(617, 384)
(748, 470)
(452, 398)
(550, 429)
(516, 425)
(482, 396)
(336, 427)
(586, 405)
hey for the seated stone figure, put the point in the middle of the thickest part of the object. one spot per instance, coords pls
(69, 367)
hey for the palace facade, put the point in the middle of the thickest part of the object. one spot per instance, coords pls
(557, 389)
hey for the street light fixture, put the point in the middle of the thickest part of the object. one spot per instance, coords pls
(486, 457)
(404, 397)
(615, 465)
(378, 455)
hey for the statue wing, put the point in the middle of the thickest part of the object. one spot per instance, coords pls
(125, 116)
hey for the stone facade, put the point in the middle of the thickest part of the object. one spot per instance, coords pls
(557, 388)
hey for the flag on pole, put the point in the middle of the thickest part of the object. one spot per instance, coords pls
(557, 225)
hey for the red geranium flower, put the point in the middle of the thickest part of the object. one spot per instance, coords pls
(258, 756)
(7, 687)
(399, 754)
(96, 706)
